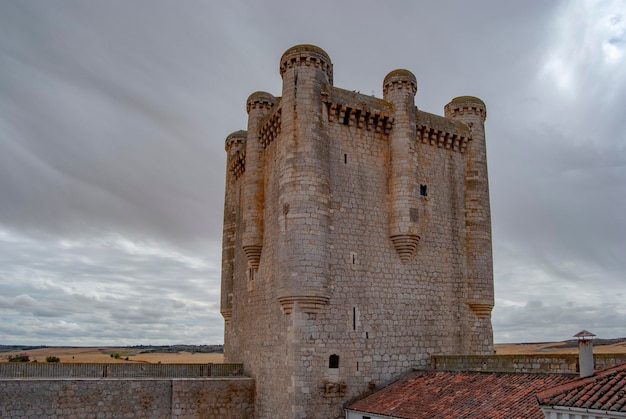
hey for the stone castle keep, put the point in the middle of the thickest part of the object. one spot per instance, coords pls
(357, 238)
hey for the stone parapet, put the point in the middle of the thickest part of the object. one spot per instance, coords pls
(553, 363)
(117, 370)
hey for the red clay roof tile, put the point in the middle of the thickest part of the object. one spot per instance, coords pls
(605, 390)
(470, 395)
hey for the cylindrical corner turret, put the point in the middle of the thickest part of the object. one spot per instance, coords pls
(399, 88)
(399, 80)
(234, 145)
(304, 186)
(473, 112)
(463, 106)
(234, 142)
(258, 105)
(308, 55)
(262, 101)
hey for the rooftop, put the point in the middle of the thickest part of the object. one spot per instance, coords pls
(446, 394)
(605, 390)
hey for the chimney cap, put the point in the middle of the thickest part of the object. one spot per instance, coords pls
(584, 334)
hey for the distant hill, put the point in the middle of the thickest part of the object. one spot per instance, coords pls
(573, 343)
(13, 348)
(169, 349)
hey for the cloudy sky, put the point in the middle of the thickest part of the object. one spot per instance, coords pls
(113, 116)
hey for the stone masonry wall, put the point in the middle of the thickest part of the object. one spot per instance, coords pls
(128, 398)
(364, 267)
(555, 363)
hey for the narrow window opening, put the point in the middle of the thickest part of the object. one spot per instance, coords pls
(345, 159)
(367, 335)
(353, 259)
(250, 275)
(357, 365)
(333, 361)
(346, 117)
(353, 318)
(423, 190)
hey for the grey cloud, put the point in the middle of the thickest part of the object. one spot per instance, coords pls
(539, 322)
(89, 289)
(113, 117)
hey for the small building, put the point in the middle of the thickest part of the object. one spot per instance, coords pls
(603, 395)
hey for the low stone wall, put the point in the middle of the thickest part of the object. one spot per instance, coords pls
(127, 397)
(553, 363)
(113, 370)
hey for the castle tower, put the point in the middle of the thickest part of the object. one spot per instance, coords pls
(259, 105)
(356, 238)
(473, 112)
(234, 148)
(304, 191)
(399, 88)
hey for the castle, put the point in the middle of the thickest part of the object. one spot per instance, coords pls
(356, 257)
(357, 238)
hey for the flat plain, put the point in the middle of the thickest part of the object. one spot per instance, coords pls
(604, 346)
(103, 354)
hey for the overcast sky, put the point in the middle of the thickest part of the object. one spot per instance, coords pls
(113, 116)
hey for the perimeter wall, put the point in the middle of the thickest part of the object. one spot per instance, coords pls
(127, 397)
(548, 363)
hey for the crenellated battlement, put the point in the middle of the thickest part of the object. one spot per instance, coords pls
(236, 139)
(306, 55)
(260, 100)
(400, 80)
(441, 139)
(361, 117)
(466, 105)
(235, 147)
(442, 132)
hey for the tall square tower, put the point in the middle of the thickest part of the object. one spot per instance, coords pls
(357, 238)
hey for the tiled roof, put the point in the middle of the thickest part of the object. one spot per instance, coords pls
(445, 394)
(605, 390)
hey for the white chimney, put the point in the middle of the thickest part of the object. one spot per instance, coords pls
(585, 353)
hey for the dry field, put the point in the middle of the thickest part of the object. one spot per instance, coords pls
(103, 354)
(555, 348)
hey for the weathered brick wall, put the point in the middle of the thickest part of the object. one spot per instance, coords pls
(129, 398)
(558, 363)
